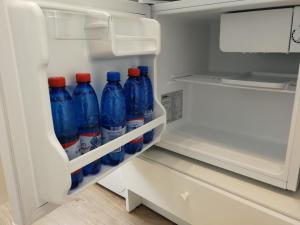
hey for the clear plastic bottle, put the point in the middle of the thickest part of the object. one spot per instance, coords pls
(113, 117)
(88, 119)
(134, 95)
(64, 123)
(148, 110)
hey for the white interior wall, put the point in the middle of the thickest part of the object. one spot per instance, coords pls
(181, 54)
(257, 114)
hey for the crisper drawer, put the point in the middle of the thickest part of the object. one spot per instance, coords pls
(256, 31)
(192, 200)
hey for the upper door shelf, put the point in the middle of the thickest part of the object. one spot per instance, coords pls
(108, 35)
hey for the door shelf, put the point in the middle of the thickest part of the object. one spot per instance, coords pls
(106, 170)
(108, 35)
(128, 35)
(282, 83)
(97, 153)
(72, 25)
(57, 173)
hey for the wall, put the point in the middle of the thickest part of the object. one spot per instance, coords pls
(182, 53)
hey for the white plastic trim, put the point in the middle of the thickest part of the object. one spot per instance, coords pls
(51, 166)
(97, 153)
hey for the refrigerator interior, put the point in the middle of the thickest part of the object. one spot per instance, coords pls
(220, 117)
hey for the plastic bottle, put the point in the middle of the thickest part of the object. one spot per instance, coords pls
(134, 95)
(148, 110)
(113, 117)
(64, 123)
(88, 119)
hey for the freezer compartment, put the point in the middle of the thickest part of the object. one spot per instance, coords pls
(256, 31)
(238, 110)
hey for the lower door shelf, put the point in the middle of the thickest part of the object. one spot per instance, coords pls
(56, 185)
(109, 147)
(106, 170)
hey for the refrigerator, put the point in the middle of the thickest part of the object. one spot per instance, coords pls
(224, 75)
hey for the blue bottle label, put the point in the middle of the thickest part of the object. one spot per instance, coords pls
(133, 124)
(72, 149)
(113, 133)
(89, 141)
(148, 115)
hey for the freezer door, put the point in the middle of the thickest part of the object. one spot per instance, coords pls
(293, 156)
(295, 36)
(36, 168)
(256, 31)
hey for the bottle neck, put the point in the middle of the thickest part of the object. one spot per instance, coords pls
(57, 88)
(113, 81)
(83, 83)
(134, 77)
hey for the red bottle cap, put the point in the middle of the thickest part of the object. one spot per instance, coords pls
(83, 77)
(134, 72)
(57, 82)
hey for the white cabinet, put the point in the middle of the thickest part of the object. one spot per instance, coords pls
(114, 182)
(199, 194)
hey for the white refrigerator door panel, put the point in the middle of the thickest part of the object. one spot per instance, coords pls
(22, 191)
(36, 168)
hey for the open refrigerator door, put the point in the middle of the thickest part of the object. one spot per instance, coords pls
(43, 39)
